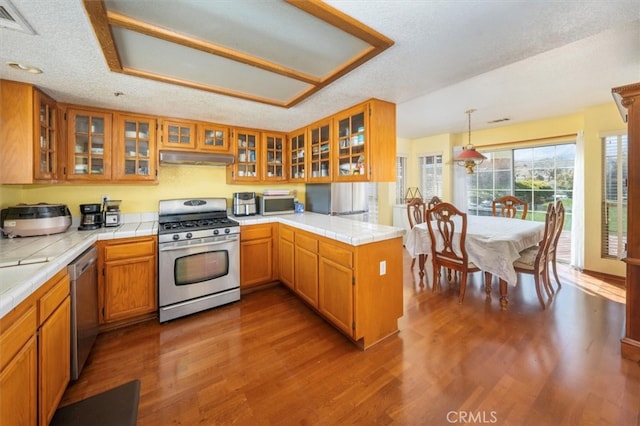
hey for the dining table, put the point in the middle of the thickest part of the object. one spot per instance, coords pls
(492, 244)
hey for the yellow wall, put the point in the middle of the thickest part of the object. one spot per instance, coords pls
(175, 182)
(594, 121)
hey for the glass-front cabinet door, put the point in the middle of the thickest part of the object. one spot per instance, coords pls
(135, 157)
(46, 141)
(247, 152)
(352, 161)
(274, 156)
(212, 137)
(297, 157)
(89, 147)
(178, 134)
(320, 155)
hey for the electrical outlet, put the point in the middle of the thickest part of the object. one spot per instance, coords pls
(383, 267)
(104, 198)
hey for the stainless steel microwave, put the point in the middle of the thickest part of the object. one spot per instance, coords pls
(276, 204)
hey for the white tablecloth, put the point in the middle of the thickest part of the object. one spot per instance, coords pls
(493, 243)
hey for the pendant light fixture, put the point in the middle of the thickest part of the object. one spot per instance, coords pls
(469, 157)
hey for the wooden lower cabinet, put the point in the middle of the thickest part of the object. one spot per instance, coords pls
(256, 255)
(286, 255)
(306, 268)
(34, 354)
(343, 282)
(18, 377)
(54, 354)
(336, 286)
(127, 278)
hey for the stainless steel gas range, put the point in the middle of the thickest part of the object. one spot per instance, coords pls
(199, 256)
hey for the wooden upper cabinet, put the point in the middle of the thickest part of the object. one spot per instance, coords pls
(46, 138)
(135, 151)
(246, 149)
(212, 137)
(29, 135)
(296, 151)
(177, 134)
(89, 144)
(366, 143)
(274, 160)
(352, 153)
(320, 152)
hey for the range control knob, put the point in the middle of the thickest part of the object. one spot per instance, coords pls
(189, 235)
(176, 237)
(227, 230)
(216, 232)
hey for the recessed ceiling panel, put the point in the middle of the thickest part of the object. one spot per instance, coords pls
(139, 52)
(270, 30)
(271, 51)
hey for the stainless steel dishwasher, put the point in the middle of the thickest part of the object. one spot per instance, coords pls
(83, 272)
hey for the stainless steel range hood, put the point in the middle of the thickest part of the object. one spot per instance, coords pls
(197, 158)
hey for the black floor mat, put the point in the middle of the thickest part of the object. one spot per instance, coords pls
(115, 407)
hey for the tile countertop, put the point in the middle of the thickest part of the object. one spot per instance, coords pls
(338, 228)
(27, 263)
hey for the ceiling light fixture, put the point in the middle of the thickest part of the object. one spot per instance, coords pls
(469, 157)
(24, 67)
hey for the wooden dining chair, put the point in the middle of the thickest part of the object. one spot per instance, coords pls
(535, 261)
(553, 247)
(448, 244)
(416, 212)
(434, 201)
(509, 206)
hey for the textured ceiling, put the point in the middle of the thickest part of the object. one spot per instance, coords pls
(523, 60)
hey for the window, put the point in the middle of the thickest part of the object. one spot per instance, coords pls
(614, 196)
(401, 179)
(430, 170)
(540, 175)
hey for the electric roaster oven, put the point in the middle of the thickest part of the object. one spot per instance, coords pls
(30, 220)
(198, 256)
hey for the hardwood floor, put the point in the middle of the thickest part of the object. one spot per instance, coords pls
(268, 359)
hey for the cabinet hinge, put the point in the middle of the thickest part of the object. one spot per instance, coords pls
(353, 325)
(369, 111)
(353, 280)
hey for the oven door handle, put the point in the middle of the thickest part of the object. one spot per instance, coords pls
(208, 243)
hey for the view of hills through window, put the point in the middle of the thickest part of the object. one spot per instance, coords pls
(539, 175)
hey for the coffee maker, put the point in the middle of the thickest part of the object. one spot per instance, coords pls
(90, 217)
(112, 213)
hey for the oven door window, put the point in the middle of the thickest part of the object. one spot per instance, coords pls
(199, 267)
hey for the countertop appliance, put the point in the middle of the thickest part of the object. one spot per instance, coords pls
(198, 256)
(276, 204)
(91, 217)
(244, 203)
(83, 273)
(112, 213)
(29, 220)
(340, 199)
